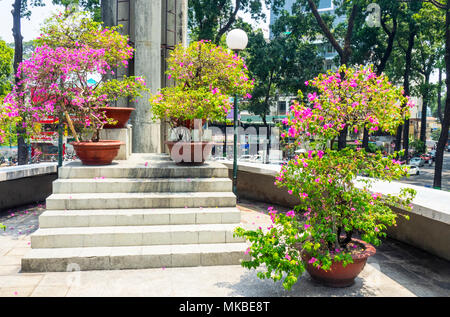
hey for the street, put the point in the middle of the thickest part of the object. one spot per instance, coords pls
(427, 175)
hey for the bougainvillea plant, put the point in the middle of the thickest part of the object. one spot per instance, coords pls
(336, 203)
(205, 76)
(55, 81)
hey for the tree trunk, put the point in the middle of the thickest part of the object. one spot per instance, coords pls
(439, 98)
(398, 139)
(408, 58)
(423, 121)
(365, 142)
(437, 183)
(22, 147)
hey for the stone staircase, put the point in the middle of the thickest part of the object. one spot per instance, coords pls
(145, 212)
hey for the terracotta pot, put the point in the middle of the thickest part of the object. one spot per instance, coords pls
(339, 276)
(97, 153)
(189, 153)
(122, 115)
(190, 124)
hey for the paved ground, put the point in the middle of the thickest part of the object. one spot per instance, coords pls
(396, 270)
(426, 176)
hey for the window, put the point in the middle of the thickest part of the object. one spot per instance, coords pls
(282, 107)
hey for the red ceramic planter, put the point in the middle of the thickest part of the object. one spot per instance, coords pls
(189, 153)
(97, 153)
(122, 115)
(339, 276)
(190, 124)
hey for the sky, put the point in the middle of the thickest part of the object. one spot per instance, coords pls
(30, 28)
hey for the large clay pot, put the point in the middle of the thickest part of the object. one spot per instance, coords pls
(338, 275)
(122, 115)
(189, 153)
(97, 153)
(190, 123)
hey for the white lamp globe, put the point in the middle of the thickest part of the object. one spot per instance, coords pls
(237, 40)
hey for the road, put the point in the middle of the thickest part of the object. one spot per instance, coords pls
(427, 175)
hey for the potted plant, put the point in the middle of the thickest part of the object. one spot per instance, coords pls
(336, 202)
(205, 76)
(55, 82)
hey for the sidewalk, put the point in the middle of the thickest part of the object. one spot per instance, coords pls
(396, 270)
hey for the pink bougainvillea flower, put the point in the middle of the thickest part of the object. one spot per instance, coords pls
(291, 214)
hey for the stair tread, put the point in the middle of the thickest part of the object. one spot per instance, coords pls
(140, 195)
(135, 250)
(149, 211)
(133, 229)
(142, 180)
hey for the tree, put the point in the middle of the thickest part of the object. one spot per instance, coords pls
(20, 10)
(6, 70)
(211, 19)
(443, 138)
(282, 64)
(91, 6)
(428, 49)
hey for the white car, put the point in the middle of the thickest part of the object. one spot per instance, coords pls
(245, 158)
(413, 170)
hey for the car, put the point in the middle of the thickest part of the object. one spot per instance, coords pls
(448, 148)
(413, 170)
(417, 161)
(427, 158)
(245, 158)
(432, 153)
(257, 158)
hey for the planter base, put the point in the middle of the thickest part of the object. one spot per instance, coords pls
(121, 115)
(97, 153)
(339, 276)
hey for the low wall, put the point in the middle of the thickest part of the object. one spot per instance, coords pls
(427, 229)
(28, 184)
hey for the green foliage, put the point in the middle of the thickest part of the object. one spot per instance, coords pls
(91, 6)
(211, 19)
(419, 146)
(206, 77)
(74, 29)
(435, 134)
(6, 69)
(282, 65)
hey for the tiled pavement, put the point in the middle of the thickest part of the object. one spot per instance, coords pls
(396, 270)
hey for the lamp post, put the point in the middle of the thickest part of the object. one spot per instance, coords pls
(237, 40)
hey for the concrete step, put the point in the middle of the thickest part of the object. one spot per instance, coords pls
(140, 200)
(136, 185)
(133, 236)
(138, 217)
(120, 258)
(132, 169)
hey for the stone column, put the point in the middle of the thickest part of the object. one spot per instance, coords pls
(109, 12)
(147, 63)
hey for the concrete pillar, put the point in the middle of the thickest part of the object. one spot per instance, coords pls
(182, 25)
(147, 36)
(109, 12)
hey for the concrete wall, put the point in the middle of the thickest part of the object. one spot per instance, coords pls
(26, 185)
(428, 228)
